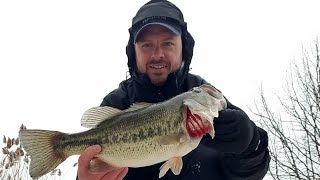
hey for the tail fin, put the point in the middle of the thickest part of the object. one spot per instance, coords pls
(39, 144)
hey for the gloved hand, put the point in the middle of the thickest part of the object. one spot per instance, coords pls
(233, 131)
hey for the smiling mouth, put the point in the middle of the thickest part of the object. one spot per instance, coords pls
(158, 67)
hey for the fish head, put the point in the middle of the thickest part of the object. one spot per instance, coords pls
(202, 105)
(207, 97)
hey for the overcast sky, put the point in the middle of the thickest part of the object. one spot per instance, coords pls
(59, 58)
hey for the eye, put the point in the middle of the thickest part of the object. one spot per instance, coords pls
(168, 43)
(147, 45)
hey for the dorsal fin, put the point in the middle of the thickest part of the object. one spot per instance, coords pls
(93, 116)
(137, 106)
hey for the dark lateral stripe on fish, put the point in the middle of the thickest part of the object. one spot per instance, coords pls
(108, 138)
(74, 141)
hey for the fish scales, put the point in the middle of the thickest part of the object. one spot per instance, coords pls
(142, 125)
(144, 129)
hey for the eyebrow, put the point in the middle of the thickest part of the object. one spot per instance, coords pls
(170, 38)
(148, 40)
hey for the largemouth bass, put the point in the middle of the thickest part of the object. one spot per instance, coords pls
(142, 135)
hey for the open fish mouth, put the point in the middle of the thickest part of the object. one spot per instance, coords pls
(200, 114)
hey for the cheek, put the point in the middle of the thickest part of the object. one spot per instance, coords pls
(141, 65)
(177, 56)
(177, 62)
(141, 61)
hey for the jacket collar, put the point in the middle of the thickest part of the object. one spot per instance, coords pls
(147, 92)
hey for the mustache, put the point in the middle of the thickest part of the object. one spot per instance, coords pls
(157, 61)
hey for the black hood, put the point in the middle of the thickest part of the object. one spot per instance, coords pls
(166, 9)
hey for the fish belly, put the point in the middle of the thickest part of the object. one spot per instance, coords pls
(145, 153)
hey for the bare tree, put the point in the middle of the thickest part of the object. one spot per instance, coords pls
(294, 134)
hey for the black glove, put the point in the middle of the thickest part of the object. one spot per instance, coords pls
(234, 131)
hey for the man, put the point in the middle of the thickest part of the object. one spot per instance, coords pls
(159, 53)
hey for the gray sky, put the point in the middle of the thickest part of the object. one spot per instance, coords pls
(59, 58)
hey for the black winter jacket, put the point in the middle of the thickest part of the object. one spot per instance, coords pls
(204, 162)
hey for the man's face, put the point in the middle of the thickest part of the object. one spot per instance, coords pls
(158, 53)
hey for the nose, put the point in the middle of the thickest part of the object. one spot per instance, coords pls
(157, 53)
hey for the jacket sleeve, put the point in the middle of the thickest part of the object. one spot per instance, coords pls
(253, 163)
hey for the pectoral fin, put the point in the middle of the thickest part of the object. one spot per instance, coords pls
(175, 164)
(175, 138)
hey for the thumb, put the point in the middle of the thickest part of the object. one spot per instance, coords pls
(87, 155)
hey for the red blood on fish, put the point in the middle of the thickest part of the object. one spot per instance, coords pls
(194, 121)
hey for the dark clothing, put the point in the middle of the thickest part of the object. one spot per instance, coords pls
(205, 162)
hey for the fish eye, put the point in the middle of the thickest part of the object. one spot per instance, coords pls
(196, 89)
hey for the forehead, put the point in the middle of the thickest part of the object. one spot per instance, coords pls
(155, 29)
